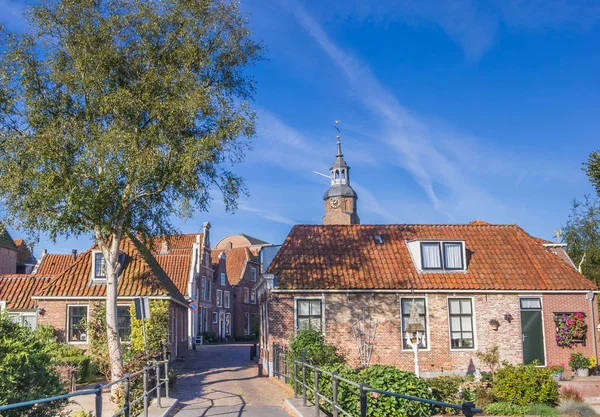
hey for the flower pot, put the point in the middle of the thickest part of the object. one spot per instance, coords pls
(557, 376)
(583, 372)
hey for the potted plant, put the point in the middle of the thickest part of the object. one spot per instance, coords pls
(580, 363)
(494, 324)
(557, 371)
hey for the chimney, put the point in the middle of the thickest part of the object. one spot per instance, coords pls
(206, 231)
(164, 248)
(44, 252)
(74, 252)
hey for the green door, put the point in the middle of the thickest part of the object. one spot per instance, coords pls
(533, 333)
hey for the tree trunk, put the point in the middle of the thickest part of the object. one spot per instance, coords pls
(110, 251)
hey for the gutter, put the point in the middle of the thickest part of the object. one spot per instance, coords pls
(408, 290)
(151, 297)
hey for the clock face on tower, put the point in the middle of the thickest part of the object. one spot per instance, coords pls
(334, 203)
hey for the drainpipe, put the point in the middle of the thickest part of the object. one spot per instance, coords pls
(590, 296)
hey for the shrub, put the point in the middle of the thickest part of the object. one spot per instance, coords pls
(445, 388)
(505, 409)
(26, 370)
(210, 337)
(570, 394)
(157, 328)
(543, 410)
(483, 396)
(390, 378)
(491, 357)
(576, 409)
(309, 344)
(525, 384)
(81, 413)
(65, 357)
(487, 377)
(348, 395)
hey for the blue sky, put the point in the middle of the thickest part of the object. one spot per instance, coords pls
(450, 112)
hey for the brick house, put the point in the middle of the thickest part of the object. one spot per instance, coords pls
(460, 277)
(222, 294)
(242, 269)
(67, 299)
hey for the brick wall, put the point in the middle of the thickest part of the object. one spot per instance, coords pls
(239, 306)
(8, 261)
(55, 315)
(341, 310)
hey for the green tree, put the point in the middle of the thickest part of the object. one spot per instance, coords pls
(117, 114)
(26, 371)
(157, 328)
(582, 235)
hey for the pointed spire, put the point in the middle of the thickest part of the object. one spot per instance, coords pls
(339, 147)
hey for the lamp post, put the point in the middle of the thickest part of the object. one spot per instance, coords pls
(414, 334)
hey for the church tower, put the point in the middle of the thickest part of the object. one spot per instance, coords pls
(340, 199)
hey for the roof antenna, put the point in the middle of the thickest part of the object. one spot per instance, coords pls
(558, 234)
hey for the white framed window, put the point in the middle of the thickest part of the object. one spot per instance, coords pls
(223, 279)
(2, 305)
(99, 269)
(209, 289)
(246, 324)
(252, 297)
(226, 299)
(215, 317)
(203, 285)
(219, 298)
(453, 255)
(405, 307)
(24, 319)
(76, 318)
(124, 323)
(309, 313)
(253, 274)
(246, 295)
(461, 323)
(227, 324)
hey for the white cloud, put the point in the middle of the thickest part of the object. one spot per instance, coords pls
(267, 214)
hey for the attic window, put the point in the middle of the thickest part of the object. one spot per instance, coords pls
(442, 256)
(378, 239)
(99, 266)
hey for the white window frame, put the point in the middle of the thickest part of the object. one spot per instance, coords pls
(130, 317)
(21, 314)
(209, 289)
(215, 317)
(228, 325)
(252, 296)
(323, 312)
(427, 322)
(246, 295)
(219, 299)
(2, 305)
(247, 328)
(227, 302)
(68, 327)
(474, 319)
(93, 273)
(203, 286)
(223, 279)
(253, 274)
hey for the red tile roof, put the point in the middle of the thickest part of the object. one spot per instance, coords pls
(499, 257)
(177, 268)
(235, 262)
(141, 276)
(17, 289)
(178, 244)
(54, 264)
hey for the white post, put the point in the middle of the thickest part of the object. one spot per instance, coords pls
(415, 347)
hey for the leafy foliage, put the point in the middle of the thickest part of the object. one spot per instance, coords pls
(98, 340)
(26, 370)
(505, 409)
(348, 395)
(525, 385)
(390, 378)
(582, 235)
(445, 388)
(491, 357)
(309, 344)
(578, 361)
(543, 410)
(157, 328)
(576, 409)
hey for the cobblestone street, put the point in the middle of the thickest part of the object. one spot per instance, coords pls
(220, 380)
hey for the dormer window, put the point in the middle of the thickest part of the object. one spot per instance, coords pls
(99, 266)
(448, 256)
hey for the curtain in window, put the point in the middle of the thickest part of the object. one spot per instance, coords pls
(431, 255)
(453, 255)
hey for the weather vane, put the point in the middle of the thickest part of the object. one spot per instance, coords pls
(337, 127)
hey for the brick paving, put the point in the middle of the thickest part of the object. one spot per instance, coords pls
(220, 380)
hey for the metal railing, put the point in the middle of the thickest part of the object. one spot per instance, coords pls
(154, 367)
(299, 379)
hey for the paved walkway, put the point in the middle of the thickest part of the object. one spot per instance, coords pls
(220, 380)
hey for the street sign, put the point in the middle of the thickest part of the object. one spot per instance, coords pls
(193, 306)
(142, 308)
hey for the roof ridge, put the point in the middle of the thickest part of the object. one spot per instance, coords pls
(409, 224)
